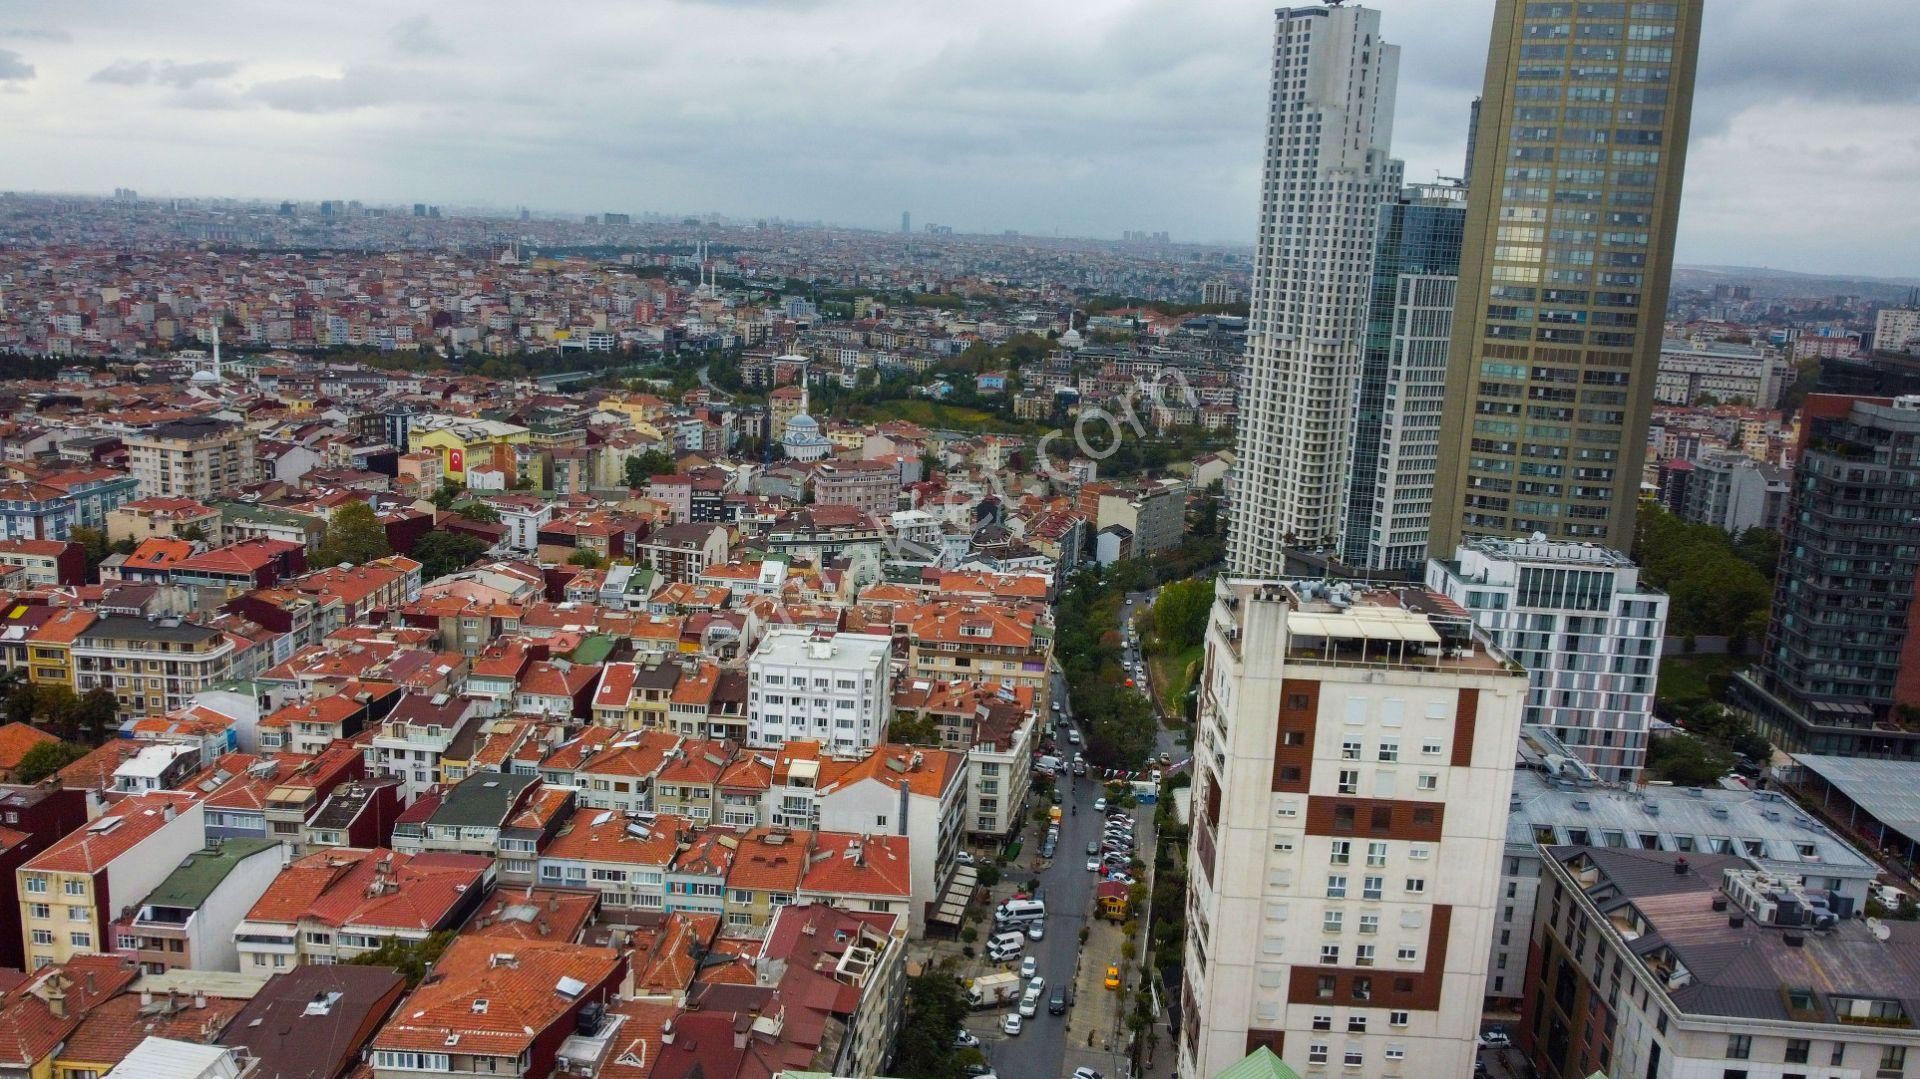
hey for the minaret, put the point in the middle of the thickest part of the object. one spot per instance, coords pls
(216, 348)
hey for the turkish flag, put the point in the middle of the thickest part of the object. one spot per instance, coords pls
(455, 461)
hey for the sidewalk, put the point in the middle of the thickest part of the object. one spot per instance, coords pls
(1097, 1032)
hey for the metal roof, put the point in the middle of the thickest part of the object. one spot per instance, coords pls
(1889, 790)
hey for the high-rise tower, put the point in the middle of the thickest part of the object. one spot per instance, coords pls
(1329, 124)
(1563, 279)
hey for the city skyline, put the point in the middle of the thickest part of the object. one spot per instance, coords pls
(942, 117)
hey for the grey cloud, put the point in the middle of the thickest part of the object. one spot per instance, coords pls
(34, 33)
(418, 35)
(354, 88)
(14, 67)
(163, 72)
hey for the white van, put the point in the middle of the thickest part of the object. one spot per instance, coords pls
(1004, 946)
(1019, 911)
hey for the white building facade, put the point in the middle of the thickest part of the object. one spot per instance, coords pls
(836, 689)
(1588, 632)
(1330, 122)
(1354, 752)
(1410, 420)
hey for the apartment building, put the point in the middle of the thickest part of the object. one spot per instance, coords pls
(1631, 973)
(1724, 371)
(622, 856)
(1327, 170)
(45, 562)
(68, 891)
(1403, 377)
(954, 641)
(498, 1008)
(413, 738)
(1588, 632)
(833, 688)
(149, 664)
(187, 922)
(1350, 744)
(201, 459)
(1156, 515)
(920, 794)
(683, 552)
(1557, 802)
(872, 487)
(332, 905)
(1731, 491)
(1842, 657)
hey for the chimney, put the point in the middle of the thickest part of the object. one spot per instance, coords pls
(56, 996)
(92, 989)
(553, 903)
(167, 811)
(666, 1033)
(200, 1000)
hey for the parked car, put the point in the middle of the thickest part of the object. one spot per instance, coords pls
(1496, 1038)
(1073, 736)
(1092, 847)
(1036, 930)
(1029, 966)
(964, 857)
(1010, 1025)
(1093, 864)
(1113, 977)
(1084, 1072)
(1030, 1003)
(1099, 805)
(966, 1039)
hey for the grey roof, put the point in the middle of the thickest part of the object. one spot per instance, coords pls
(123, 628)
(1757, 824)
(1742, 969)
(1890, 790)
(482, 800)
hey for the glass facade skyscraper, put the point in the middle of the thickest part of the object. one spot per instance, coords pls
(1402, 377)
(1563, 280)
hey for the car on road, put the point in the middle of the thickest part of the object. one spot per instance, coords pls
(1030, 1003)
(1073, 736)
(1099, 805)
(1093, 864)
(975, 1071)
(1029, 966)
(1092, 847)
(1496, 1038)
(1084, 1072)
(1113, 976)
(966, 1039)
(963, 857)
(1036, 930)
(1010, 1025)
(1079, 768)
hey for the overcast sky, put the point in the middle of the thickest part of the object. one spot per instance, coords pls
(1082, 117)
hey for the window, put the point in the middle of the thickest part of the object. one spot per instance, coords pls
(1295, 738)
(1396, 1052)
(1739, 1046)
(1330, 922)
(1371, 887)
(1893, 1061)
(1427, 781)
(1389, 751)
(1398, 1019)
(1356, 1024)
(75, 886)
(37, 884)
(1355, 1058)
(1349, 781)
(39, 910)
(1317, 1053)
(1323, 986)
(1431, 749)
(1376, 854)
(1798, 1050)
(1416, 884)
(1323, 1021)
(1342, 852)
(81, 940)
(43, 936)
(1363, 955)
(1329, 955)
(1336, 886)
(1350, 749)
(1369, 923)
(1419, 852)
(1407, 954)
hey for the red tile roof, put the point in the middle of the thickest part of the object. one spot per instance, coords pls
(519, 985)
(29, 1031)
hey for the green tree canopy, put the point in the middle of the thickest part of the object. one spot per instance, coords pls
(1687, 761)
(586, 558)
(354, 536)
(643, 467)
(1713, 589)
(935, 1009)
(441, 553)
(1180, 614)
(412, 958)
(478, 511)
(45, 759)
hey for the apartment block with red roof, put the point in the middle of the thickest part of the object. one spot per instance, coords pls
(494, 1007)
(557, 688)
(422, 731)
(620, 777)
(72, 891)
(840, 981)
(861, 872)
(31, 820)
(624, 857)
(44, 561)
(224, 572)
(39, 1015)
(917, 794)
(332, 905)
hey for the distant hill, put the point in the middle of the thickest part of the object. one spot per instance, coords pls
(1767, 281)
